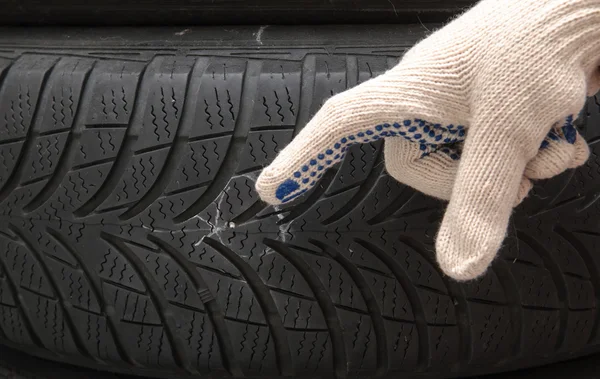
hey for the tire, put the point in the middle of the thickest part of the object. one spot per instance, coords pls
(132, 240)
(18, 365)
(219, 12)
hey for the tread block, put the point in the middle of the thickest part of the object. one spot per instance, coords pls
(541, 338)
(58, 112)
(50, 318)
(403, 345)
(262, 147)
(97, 338)
(338, 283)
(278, 94)
(9, 155)
(493, 338)
(217, 100)
(176, 286)
(48, 150)
(487, 288)
(20, 93)
(200, 163)
(164, 102)
(439, 308)
(357, 166)
(370, 67)
(201, 341)
(14, 327)
(358, 333)
(330, 79)
(113, 93)
(98, 145)
(536, 286)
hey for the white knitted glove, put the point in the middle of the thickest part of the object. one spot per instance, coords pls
(500, 77)
(431, 167)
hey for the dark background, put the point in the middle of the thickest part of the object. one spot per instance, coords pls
(212, 12)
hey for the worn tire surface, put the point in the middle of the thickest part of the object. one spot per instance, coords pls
(132, 240)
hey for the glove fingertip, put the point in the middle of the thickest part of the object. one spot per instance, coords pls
(462, 269)
(582, 152)
(466, 253)
(273, 188)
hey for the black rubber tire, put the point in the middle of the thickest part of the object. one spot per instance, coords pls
(132, 240)
(19, 365)
(225, 12)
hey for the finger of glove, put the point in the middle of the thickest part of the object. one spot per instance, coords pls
(582, 152)
(341, 122)
(570, 134)
(503, 137)
(551, 161)
(487, 183)
(558, 154)
(363, 114)
(431, 172)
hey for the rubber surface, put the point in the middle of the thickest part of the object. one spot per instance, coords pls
(225, 12)
(131, 238)
(18, 365)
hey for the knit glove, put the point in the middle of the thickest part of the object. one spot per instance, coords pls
(431, 166)
(465, 114)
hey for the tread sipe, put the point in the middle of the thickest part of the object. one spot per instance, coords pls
(132, 240)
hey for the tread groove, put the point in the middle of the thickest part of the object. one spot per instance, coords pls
(15, 177)
(66, 159)
(306, 92)
(593, 270)
(260, 290)
(413, 297)
(559, 281)
(176, 343)
(235, 149)
(373, 308)
(249, 213)
(462, 312)
(175, 155)
(112, 322)
(22, 307)
(55, 288)
(214, 311)
(511, 289)
(365, 189)
(310, 198)
(327, 306)
(396, 205)
(125, 152)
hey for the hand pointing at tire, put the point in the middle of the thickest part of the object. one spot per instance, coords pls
(470, 115)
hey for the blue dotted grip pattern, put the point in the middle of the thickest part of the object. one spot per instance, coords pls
(432, 138)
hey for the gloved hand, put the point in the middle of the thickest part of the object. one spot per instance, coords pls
(431, 167)
(500, 78)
